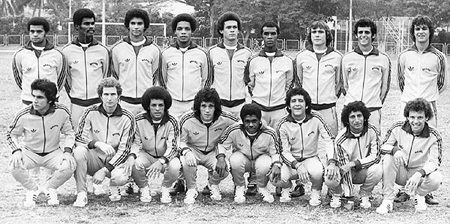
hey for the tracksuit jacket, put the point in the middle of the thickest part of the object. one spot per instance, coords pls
(30, 64)
(228, 73)
(266, 142)
(422, 151)
(87, 67)
(364, 150)
(299, 141)
(158, 140)
(41, 132)
(320, 77)
(185, 73)
(366, 77)
(116, 130)
(421, 74)
(198, 136)
(136, 72)
(269, 79)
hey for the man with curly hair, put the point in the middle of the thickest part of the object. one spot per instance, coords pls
(412, 156)
(200, 133)
(357, 151)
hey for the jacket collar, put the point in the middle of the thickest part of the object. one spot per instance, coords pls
(349, 134)
(310, 48)
(92, 43)
(238, 47)
(291, 119)
(261, 129)
(278, 53)
(118, 112)
(424, 134)
(191, 45)
(164, 120)
(428, 49)
(50, 110)
(147, 42)
(374, 51)
(48, 45)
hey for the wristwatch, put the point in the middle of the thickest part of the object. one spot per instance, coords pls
(162, 161)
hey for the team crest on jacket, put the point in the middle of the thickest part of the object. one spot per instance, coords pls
(312, 132)
(75, 62)
(261, 72)
(116, 134)
(145, 138)
(195, 133)
(33, 130)
(146, 60)
(240, 145)
(418, 151)
(219, 63)
(54, 126)
(241, 61)
(329, 65)
(426, 69)
(308, 67)
(377, 68)
(96, 131)
(127, 60)
(28, 69)
(174, 64)
(410, 68)
(93, 63)
(193, 61)
(218, 129)
(293, 138)
(47, 65)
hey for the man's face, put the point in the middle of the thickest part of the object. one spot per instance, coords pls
(364, 36)
(156, 109)
(40, 101)
(251, 124)
(356, 121)
(230, 30)
(207, 111)
(37, 34)
(417, 121)
(318, 37)
(110, 98)
(422, 33)
(298, 106)
(270, 36)
(87, 28)
(183, 32)
(136, 27)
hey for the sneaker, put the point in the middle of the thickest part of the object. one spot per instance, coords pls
(315, 198)
(178, 187)
(145, 195)
(114, 193)
(165, 195)
(252, 190)
(298, 191)
(191, 194)
(215, 193)
(401, 197)
(365, 203)
(420, 204)
(385, 207)
(278, 191)
(267, 196)
(206, 190)
(98, 189)
(81, 199)
(285, 195)
(239, 194)
(30, 198)
(52, 196)
(335, 201)
(429, 199)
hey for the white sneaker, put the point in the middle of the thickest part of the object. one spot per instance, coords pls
(420, 204)
(52, 196)
(191, 194)
(335, 201)
(385, 207)
(145, 194)
(98, 189)
(30, 198)
(165, 195)
(215, 193)
(315, 198)
(267, 196)
(81, 199)
(365, 203)
(285, 195)
(114, 193)
(239, 195)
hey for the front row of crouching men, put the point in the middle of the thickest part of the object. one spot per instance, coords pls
(111, 142)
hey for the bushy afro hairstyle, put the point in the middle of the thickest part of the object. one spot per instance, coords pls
(39, 21)
(184, 17)
(320, 25)
(365, 22)
(250, 109)
(419, 21)
(80, 14)
(419, 104)
(208, 95)
(47, 87)
(109, 82)
(298, 91)
(270, 24)
(137, 13)
(156, 92)
(228, 16)
(354, 106)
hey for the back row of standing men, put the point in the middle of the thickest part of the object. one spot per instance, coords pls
(229, 67)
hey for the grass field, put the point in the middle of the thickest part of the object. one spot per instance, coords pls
(131, 210)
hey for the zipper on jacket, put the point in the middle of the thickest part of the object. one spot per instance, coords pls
(38, 68)
(410, 150)
(303, 142)
(107, 130)
(207, 137)
(231, 75)
(251, 147)
(156, 132)
(317, 84)
(45, 138)
(359, 147)
(85, 73)
(136, 75)
(364, 78)
(182, 76)
(270, 88)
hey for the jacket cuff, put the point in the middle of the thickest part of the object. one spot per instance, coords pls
(15, 150)
(68, 149)
(109, 167)
(132, 155)
(334, 161)
(91, 144)
(394, 150)
(422, 172)
(358, 165)
(293, 164)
